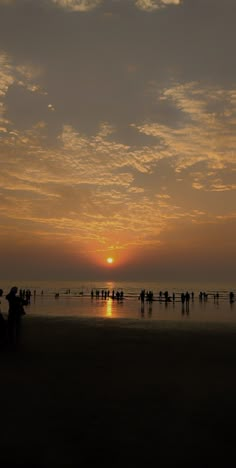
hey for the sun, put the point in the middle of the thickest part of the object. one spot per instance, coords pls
(110, 260)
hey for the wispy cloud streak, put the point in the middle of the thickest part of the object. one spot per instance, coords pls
(153, 5)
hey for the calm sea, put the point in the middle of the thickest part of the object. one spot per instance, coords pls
(73, 299)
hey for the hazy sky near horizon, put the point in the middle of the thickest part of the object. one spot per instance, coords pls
(118, 139)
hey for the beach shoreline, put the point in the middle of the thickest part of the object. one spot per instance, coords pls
(82, 391)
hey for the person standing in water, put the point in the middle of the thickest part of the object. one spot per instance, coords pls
(15, 312)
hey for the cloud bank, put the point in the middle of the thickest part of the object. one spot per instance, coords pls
(88, 5)
(78, 5)
(152, 5)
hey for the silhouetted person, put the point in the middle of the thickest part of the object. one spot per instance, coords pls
(3, 330)
(231, 297)
(166, 295)
(149, 296)
(15, 312)
(142, 295)
(3, 327)
(28, 295)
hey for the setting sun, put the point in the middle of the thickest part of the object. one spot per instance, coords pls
(110, 260)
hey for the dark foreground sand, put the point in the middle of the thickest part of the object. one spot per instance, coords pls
(100, 392)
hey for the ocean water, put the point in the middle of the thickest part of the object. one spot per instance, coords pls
(73, 299)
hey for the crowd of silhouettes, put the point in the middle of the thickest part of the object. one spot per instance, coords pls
(148, 295)
(203, 296)
(10, 327)
(184, 297)
(25, 295)
(105, 294)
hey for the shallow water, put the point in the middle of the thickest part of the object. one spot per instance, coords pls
(69, 306)
(75, 301)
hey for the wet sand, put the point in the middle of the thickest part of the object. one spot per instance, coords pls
(83, 392)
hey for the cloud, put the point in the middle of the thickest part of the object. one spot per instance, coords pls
(152, 5)
(82, 189)
(78, 5)
(20, 75)
(88, 5)
(203, 132)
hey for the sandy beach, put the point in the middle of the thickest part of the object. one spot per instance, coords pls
(82, 392)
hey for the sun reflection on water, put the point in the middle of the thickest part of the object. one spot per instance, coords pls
(109, 308)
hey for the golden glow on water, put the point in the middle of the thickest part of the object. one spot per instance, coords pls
(109, 308)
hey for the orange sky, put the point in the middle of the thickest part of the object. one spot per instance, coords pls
(117, 139)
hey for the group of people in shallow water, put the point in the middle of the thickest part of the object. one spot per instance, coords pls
(164, 296)
(10, 328)
(105, 294)
(184, 297)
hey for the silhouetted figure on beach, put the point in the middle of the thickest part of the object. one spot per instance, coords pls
(142, 295)
(3, 330)
(15, 312)
(28, 295)
(187, 296)
(231, 297)
(3, 326)
(216, 298)
(166, 295)
(149, 296)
